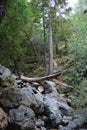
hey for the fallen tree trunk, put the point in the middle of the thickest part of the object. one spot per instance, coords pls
(54, 75)
(40, 78)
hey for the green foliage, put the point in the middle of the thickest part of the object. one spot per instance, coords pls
(78, 46)
(10, 79)
(39, 71)
(13, 29)
(79, 98)
(63, 28)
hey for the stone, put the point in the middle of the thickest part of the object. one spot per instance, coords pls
(52, 110)
(72, 125)
(39, 123)
(50, 89)
(69, 118)
(13, 96)
(32, 98)
(44, 118)
(6, 77)
(43, 128)
(65, 122)
(60, 126)
(65, 109)
(4, 72)
(76, 123)
(3, 120)
(40, 89)
(35, 84)
(10, 97)
(39, 99)
(23, 117)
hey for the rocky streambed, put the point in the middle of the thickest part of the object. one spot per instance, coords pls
(36, 106)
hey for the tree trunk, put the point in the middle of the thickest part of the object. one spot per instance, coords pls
(44, 40)
(50, 45)
(16, 67)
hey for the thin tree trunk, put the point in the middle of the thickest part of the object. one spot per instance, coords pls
(16, 67)
(50, 45)
(44, 41)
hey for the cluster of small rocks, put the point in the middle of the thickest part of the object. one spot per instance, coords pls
(25, 106)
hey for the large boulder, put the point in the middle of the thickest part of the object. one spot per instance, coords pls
(52, 111)
(32, 98)
(10, 97)
(23, 117)
(13, 96)
(3, 120)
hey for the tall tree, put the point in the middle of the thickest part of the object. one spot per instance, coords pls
(50, 44)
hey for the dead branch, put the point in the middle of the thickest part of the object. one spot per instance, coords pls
(54, 75)
(39, 79)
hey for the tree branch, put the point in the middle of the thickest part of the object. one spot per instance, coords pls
(38, 79)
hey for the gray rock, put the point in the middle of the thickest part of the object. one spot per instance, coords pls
(39, 123)
(65, 109)
(43, 128)
(6, 77)
(3, 120)
(76, 123)
(23, 117)
(4, 72)
(52, 110)
(50, 89)
(28, 96)
(39, 99)
(12, 97)
(65, 122)
(72, 125)
(69, 118)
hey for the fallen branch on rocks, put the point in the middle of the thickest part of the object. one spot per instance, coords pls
(40, 78)
(54, 75)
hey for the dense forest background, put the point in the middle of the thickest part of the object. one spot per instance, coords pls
(40, 37)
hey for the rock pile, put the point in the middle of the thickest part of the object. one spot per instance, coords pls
(36, 107)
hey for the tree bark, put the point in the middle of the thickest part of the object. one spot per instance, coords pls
(44, 39)
(50, 45)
